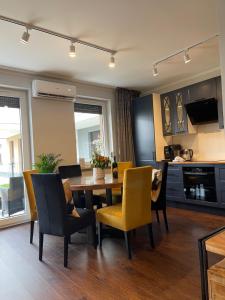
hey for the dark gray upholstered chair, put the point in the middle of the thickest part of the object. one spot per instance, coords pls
(160, 204)
(52, 213)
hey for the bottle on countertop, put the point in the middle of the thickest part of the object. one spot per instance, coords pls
(114, 168)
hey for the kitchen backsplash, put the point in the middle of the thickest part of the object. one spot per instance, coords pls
(208, 143)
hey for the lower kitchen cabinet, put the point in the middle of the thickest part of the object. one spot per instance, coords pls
(197, 184)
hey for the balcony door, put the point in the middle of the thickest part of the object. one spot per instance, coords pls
(14, 156)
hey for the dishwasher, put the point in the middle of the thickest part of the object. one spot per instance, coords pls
(199, 183)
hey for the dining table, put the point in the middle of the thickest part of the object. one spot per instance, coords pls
(88, 184)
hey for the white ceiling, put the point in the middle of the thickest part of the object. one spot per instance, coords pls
(143, 31)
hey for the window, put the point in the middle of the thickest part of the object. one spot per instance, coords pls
(89, 125)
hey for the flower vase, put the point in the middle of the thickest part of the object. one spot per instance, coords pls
(98, 173)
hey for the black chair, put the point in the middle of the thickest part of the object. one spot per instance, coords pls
(53, 218)
(160, 204)
(78, 197)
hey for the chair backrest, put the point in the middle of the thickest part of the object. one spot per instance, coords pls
(161, 202)
(124, 165)
(136, 202)
(15, 195)
(70, 171)
(16, 188)
(30, 193)
(51, 202)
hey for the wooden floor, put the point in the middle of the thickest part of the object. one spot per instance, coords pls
(171, 271)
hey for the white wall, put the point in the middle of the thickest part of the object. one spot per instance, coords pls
(52, 122)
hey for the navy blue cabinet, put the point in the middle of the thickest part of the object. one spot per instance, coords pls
(219, 97)
(202, 90)
(167, 109)
(175, 187)
(174, 116)
(143, 131)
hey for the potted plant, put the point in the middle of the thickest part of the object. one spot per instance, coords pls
(48, 162)
(99, 164)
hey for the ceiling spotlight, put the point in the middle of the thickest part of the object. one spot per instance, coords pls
(187, 58)
(72, 52)
(155, 71)
(25, 37)
(112, 63)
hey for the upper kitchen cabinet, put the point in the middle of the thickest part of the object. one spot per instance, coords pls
(202, 90)
(143, 131)
(167, 108)
(180, 115)
(219, 97)
(174, 117)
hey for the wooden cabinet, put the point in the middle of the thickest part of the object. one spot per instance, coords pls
(143, 131)
(174, 116)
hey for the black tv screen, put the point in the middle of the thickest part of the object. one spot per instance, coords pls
(202, 112)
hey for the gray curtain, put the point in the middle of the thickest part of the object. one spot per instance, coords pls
(123, 115)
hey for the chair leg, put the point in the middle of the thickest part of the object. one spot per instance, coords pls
(66, 243)
(165, 220)
(157, 215)
(127, 242)
(100, 234)
(150, 233)
(31, 231)
(41, 240)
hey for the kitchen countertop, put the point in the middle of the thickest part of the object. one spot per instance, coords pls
(216, 162)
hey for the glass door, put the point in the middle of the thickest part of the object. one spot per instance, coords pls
(14, 156)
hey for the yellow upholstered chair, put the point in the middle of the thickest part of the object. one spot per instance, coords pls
(122, 166)
(31, 199)
(135, 209)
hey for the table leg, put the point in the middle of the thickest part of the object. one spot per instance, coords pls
(203, 257)
(91, 233)
(109, 197)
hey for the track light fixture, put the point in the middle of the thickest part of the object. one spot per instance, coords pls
(25, 37)
(72, 52)
(112, 63)
(187, 58)
(155, 70)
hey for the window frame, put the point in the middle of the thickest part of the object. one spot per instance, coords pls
(26, 148)
(105, 122)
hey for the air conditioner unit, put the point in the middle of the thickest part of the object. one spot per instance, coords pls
(53, 90)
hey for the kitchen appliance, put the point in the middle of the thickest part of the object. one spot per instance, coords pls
(199, 183)
(187, 154)
(171, 151)
(202, 111)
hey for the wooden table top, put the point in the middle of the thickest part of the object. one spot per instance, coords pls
(216, 244)
(88, 183)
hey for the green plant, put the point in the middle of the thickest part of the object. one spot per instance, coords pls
(48, 162)
(99, 161)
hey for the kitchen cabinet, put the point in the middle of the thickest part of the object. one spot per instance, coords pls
(220, 101)
(174, 116)
(202, 90)
(180, 115)
(177, 184)
(167, 109)
(143, 131)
